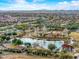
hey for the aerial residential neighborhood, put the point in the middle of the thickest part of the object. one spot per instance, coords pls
(39, 29)
(47, 35)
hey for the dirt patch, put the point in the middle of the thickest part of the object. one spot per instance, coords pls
(22, 56)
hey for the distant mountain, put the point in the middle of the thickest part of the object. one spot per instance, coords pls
(41, 11)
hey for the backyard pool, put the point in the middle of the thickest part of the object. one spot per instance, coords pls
(43, 43)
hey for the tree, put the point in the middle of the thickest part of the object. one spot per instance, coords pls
(14, 33)
(28, 45)
(17, 42)
(2, 39)
(51, 47)
(7, 38)
(9, 34)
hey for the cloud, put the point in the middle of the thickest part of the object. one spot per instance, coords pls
(25, 5)
(20, 1)
(38, 0)
(68, 5)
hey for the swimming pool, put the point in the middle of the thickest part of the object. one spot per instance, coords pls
(43, 43)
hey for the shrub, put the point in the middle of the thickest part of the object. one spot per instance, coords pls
(27, 45)
(17, 42)
(51, 47)
(66, 56)
(39, 52)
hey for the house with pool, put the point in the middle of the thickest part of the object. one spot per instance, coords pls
(43, 43)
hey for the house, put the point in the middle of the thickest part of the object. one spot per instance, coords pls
(67, 47)
(58, 34)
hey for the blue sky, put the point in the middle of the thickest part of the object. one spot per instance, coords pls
(39, 4)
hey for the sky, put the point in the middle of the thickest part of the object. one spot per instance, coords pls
(39, 4)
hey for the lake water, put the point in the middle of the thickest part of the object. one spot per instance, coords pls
(43, 43)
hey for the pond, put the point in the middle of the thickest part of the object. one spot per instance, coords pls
(43, 43)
